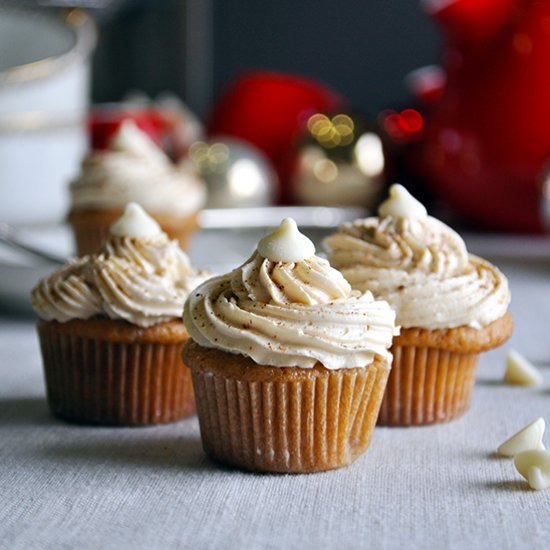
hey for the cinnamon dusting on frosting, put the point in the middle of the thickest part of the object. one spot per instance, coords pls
(290, 313)
(141, 278)
(420, 266)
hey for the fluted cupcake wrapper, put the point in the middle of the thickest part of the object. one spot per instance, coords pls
(303, 424)
(91, 229)
(427, 385)
(114, 383)
(89, 238)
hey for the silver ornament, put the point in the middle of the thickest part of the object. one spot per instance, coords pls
(340, 162)
(236, 173)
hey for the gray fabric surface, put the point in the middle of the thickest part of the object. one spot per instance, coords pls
(65, 486)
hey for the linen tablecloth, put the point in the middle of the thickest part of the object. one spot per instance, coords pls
(64, 486)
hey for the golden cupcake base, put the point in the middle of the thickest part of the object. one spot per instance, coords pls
(109, 372)
(272, 419)
(433, 372)
(91, 227)
(427, 385)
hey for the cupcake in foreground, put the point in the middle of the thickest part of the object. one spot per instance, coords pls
(289, 364)
(110, 329)
(132, 169)
(450, 305)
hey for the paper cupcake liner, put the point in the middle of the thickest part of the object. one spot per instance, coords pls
(304, 424)
(92, 229)
(89, 239)
(114, 383)
(427, 385)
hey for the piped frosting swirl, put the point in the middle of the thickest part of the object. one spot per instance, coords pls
(142, 279)
(133, 168)
(420, 266)
(289, 313)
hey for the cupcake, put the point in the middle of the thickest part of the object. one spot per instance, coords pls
(450, 305)
(133, 168)
(289, 364)
(110, 329)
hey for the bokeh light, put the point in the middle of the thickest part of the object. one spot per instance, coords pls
(369, 154)
(331, 132)
(402, 127)
(209, 158)
(245, 178)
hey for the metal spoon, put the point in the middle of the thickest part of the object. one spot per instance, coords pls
(7, 237)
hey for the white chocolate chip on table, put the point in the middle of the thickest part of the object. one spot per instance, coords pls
(520, 371)
(528, 438)
(534, 466)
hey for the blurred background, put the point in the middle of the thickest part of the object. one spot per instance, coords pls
(362, 49)
(328, 102)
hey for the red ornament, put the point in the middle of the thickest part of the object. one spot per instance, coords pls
(485, 141)
(269, 109)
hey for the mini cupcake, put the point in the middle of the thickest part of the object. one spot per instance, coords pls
(132, 169)
(289, 364)
(110, 332)
(450, 305)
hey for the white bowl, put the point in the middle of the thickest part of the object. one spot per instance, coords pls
(44, 77)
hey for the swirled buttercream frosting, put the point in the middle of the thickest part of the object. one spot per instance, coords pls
(133, 168)
(420, 266)
(142, 279)
(288, 313)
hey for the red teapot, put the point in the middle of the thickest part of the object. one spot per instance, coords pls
(486, 141)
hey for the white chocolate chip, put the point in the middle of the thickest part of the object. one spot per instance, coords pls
(534, 466)
(286, 244)
(135, 223)
(520, 371)
(130, 139)
(401, 204)
(529, 437)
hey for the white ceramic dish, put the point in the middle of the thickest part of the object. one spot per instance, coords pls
(44, 75)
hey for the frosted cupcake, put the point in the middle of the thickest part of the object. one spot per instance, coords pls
(450, 305)
(132, 169)
(110, 329)
(289, 364)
